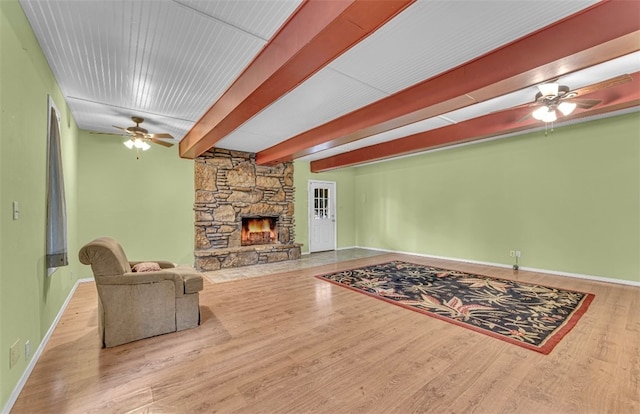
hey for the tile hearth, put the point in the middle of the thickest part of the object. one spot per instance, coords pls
(306, 261)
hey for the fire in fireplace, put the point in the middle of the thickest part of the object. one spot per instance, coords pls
(259, 230)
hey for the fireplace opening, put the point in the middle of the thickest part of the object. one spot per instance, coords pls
(259, 230)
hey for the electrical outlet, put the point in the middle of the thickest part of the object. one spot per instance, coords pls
(14, 353)
(512, 253)
(27, 350)
(518, 253)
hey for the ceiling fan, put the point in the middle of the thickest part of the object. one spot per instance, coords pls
(553, 97)
(140, 137)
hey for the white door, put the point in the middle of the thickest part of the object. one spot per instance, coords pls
(322, 216)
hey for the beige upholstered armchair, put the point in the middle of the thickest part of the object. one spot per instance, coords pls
(135, 305)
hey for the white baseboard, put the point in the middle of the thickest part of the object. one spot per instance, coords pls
(349, 247)
(581, 276)
(336, 249)
(506, 266)
(34, 360)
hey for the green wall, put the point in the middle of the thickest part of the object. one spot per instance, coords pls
(146, 204)
(569, 202)
(345, 203)
(29, 299)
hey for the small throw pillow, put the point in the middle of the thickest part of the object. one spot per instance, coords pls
(146, 267)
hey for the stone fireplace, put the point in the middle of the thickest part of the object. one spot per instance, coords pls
(243, 211)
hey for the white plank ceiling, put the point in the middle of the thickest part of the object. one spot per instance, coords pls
(169, 60)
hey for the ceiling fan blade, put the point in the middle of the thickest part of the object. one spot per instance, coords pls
(122, 129)
(527, 105)
(524, 118)
(163, 143)
(154, 136)
(114, 134)
(609, 83)
(585, 103)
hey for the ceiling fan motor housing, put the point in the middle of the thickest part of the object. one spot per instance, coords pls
(563, 93)
(137, 130)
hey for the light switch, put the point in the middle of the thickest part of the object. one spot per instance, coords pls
(16, 210)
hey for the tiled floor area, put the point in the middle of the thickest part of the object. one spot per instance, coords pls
(306, 261)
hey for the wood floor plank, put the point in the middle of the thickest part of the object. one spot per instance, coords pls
(291, 343)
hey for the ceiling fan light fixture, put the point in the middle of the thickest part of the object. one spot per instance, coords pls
(138, 143)
(540, 113)
(566, 107)
(128, 144)
(550, 116)
(145, 146)
(549, 89)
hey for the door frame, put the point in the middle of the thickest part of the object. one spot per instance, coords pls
(332, 207)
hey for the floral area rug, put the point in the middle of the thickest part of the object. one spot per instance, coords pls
(532, 316)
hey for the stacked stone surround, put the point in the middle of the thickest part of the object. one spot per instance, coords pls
(229, 186)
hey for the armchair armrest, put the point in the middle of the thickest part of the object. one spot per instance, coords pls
(163, 263)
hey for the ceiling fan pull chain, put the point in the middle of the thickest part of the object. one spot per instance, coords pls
(548, 130)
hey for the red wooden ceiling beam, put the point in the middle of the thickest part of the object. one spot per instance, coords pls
(500, 123)
(605, 31)
(317, 33)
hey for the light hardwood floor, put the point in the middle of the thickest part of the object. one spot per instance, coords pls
(290, 343)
